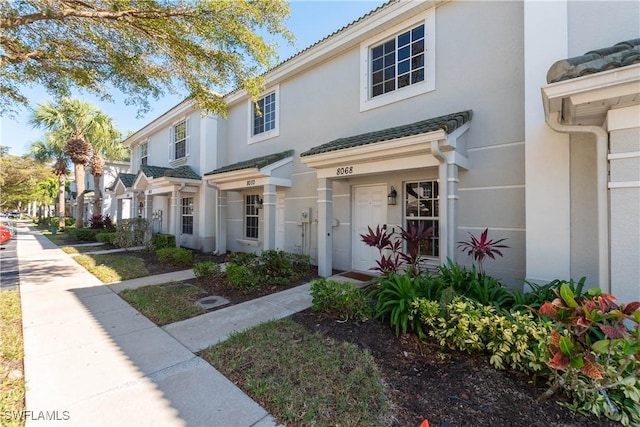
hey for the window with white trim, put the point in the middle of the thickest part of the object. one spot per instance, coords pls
(251, 217)
(144, 153)
(179, 140)
(264, 116)
(422, 207)
(399, 63)
(187, 215)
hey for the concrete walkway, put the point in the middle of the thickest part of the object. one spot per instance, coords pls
(93, 360)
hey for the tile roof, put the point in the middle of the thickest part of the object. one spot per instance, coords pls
(616, 56)
(127, 180)
(448, 123)
(184, 172)
(258, 163)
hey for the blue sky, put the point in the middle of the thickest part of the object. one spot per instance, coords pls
(310, 21)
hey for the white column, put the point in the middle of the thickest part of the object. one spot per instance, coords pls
(548, 249)
(269, 217)
(325, 230)
(174, 215)
(222, 223)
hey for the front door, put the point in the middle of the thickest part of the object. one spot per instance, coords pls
(369, 210)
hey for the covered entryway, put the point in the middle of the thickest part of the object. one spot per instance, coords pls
(388, 156)
(369, 210)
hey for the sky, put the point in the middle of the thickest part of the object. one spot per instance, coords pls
(309, 21)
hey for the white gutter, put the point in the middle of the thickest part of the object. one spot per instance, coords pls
(602, 139)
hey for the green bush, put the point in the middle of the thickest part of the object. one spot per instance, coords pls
(515, 340)
(242, 258)
(132, 232)
(207, 269)
(161, 240)
(84, 234)
(106, 237)
(243, 277)
(339, 298)
(175, 256)
(69, 222)
(395, 293)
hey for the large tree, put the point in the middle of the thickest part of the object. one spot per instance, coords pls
(80, 125)
(108, 148)
(145, 48)
(18, 178)
(51, 151)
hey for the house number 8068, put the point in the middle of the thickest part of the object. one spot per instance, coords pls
(345, 170)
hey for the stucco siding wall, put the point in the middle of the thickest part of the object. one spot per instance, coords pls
(598, 24)
(584, 219)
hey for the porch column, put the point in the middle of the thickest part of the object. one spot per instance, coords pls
(221, 229)
(450, 210)
(174, 222)
(325, 230)
(145, 211)
(269, 216)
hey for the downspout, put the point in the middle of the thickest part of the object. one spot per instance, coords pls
(602, 138)
(217, 219)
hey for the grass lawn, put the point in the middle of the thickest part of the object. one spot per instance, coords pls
(81, 249)
(12, 388)
(167, 303)
(57, 239)
(310, 380)
(113, 267)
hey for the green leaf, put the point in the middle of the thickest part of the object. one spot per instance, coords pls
(567, 296)
(600, 347)
(576, 362)
(566, 346)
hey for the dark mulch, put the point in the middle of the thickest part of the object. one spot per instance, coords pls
(425, 381)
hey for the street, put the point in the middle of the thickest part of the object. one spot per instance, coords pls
(9, 277)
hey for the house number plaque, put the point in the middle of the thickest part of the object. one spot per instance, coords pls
(251, 182)
(346, 170)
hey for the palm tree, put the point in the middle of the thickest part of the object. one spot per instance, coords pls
(52, 150)
(80, 125)
(108, 147)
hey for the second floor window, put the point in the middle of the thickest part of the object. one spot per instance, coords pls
(144, 147)
(179, 140)
(264, 114)
(398, 62)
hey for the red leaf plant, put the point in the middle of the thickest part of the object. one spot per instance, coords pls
(482, 247)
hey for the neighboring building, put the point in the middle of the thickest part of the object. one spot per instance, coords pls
(437, 102)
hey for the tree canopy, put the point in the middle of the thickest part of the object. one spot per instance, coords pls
(18, 179)
(144, 48)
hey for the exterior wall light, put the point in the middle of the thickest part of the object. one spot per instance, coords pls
(392, 196)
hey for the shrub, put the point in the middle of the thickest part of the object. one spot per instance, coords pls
(160, 240)
(132, 232)
(339, 298)
(175, 256)
(96, 222)
(84, 234)
(69, 222)
(242, 258)
(395, 295)
(242, 277)
(207, 269)
(595, 353)
(515, 340)
(481, 247)
(106, 237)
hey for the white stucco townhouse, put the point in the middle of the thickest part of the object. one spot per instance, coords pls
(443, 105)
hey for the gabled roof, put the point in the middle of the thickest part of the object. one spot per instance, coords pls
(184, 172)
(595, 61)
(257, 163)
(126, 179)
(448, 123)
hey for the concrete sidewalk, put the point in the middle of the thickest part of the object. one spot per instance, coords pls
(93, 360)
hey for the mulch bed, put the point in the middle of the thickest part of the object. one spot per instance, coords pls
(446, 387)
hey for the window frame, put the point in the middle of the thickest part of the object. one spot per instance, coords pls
(252, 137)
(433, 202)
(367, 100)
(173, 142)
(251, 200)
(144, 153)
(186, 212)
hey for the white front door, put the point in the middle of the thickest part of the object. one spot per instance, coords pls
(369, 210)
